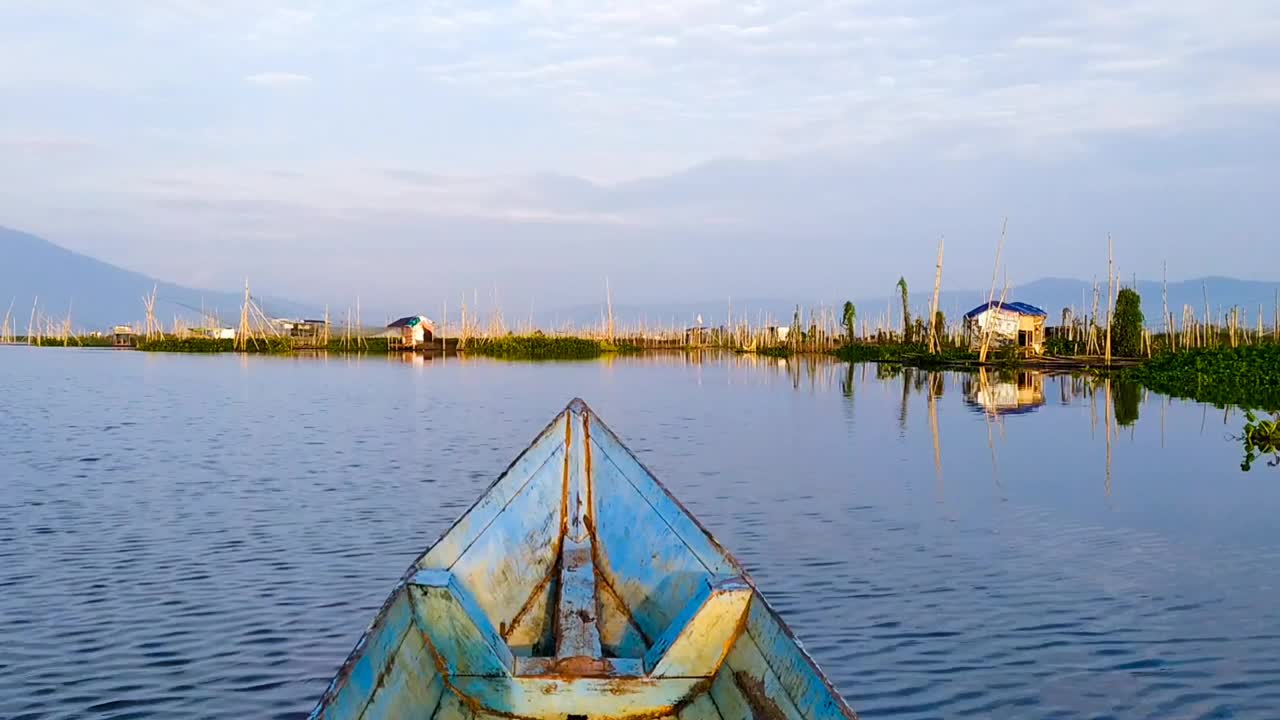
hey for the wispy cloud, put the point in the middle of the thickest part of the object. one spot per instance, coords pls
(447, 112)
(277, 79)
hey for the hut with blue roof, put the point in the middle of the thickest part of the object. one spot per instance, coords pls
(1010, 324)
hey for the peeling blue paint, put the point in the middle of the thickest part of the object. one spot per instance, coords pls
(579, 551)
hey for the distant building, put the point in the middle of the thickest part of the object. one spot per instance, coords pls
(1011, 324)
(123, 336)
(410, 332)
(303, 333)
(213, 333)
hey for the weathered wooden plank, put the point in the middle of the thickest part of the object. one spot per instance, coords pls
(698, 639)
(607, 445)
(459, 632)
(701, 708)
(411, 688)
(506, 563)
(534, 626)
(373, 654)
(757, 682)
(806, 687)
(552, 698)
(729, 700)
(452, 708)
(577, 483)
(576, 633)
(607, 667)
(652, 571)
(446, 551)
(618, 634)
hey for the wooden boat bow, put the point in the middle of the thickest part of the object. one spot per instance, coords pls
(578, 587)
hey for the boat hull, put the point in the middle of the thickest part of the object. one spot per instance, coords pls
(578, 587)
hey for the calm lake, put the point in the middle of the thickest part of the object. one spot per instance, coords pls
(199, 537)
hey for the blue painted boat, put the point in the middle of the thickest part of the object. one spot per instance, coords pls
(578, 588)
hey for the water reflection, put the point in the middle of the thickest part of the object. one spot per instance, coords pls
(994, 595)
(1004, 394)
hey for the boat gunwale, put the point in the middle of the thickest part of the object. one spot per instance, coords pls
(733, 562)
(578, 406)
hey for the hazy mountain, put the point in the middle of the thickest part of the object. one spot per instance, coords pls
(99, 294)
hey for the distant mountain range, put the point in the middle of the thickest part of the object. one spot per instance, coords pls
(100, 295)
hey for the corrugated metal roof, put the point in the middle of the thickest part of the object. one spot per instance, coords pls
(410, 321)
(1019, 307)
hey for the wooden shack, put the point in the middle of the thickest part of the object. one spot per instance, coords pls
(123, 336)
(410, 332)
(1010, 324)
(305, 333)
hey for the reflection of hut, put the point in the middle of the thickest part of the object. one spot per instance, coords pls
(123, 336)
(410, 332)
(1011, 324)
(1021, 393)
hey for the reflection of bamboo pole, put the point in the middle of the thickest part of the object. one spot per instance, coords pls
(1107, 418)
(1163, 404)
(933, 428)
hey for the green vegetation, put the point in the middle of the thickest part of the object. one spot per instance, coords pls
(1063, 347)
(849, 319)
(1126, 398)
(1126, 325)
(169, 343)
(86, 341)
(781, 351)
(356, 345)
(1261, 437)
(907, 354)
(1245, 376)
(541, 347)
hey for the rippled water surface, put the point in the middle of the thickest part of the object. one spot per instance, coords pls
(187, 537)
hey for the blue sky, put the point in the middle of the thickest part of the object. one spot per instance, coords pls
(806, 149)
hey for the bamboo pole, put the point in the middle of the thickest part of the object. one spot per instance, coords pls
(995, 273)
(33, 330)
(242, 333)
(608, 297)
(5, 335)
(1109, 294)
(1164, 299)
(1208, 316)
(934, 345)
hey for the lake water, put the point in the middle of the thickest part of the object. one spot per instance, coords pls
(191, 537)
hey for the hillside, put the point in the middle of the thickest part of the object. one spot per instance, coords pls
(100, 294)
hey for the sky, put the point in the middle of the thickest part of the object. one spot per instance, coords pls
(413, 151)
